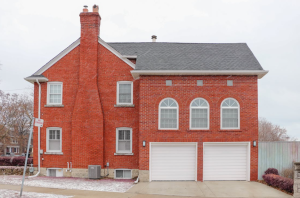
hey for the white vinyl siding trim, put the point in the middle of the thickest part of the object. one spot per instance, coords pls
(124, 92)
(54, 93)
(168, 114)
(199, 114)
(54, 139)
(123, 141)
(226, 161)
(173, 161)
(230, 114)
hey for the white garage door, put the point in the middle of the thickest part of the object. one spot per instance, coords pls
(226, 161)
(173, 161)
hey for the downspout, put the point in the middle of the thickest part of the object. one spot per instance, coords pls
(39, 131)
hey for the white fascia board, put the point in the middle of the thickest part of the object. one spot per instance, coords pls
(130, 56)
(258, 73)
(33, 79)
(58, 57)
(115, 52)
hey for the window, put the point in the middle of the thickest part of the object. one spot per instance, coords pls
(123, 174)
(54, 139)
(199, 114)
(230, 114)
(168, 82)
(199, 82)
(12, 149)
(229, 82)
(124, 92)
(168, 114)
(124, 140)
(54, 93)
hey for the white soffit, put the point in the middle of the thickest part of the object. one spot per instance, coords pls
(258, 73)
(58, 57)
(115, 52)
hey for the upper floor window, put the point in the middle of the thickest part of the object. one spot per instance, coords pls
(54, 139)
(124, 140)
(168, 114)
(54, 91)
(230, 114)
(124, 92)
(199, 114)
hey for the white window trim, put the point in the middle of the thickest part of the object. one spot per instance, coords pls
(117, 139)
(207, 128)
(48, 92)
(159, 108)
(123, 169)
(47, 140)
(239, 118)
(124, 82)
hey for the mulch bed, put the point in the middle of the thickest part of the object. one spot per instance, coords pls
(263, 182)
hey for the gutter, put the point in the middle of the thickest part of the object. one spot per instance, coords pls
(39, 133)
(259, 73)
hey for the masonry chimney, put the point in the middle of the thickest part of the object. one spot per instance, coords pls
(154, 37)
(87, 117)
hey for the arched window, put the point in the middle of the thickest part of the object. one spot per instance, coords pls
(199, 114)
(230, 114)
(168, 114)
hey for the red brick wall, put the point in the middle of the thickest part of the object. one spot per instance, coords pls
(66, 70)
(184, 89)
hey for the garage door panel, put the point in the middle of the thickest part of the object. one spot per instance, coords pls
(171, 161)
(225, 161)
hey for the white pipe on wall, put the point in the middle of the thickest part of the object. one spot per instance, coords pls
(39, 132)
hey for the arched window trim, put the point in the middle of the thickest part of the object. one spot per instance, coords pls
(208, 115)
(239, 117)
(159, 114)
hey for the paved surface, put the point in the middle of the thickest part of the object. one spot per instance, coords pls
(220, 189)
(208, 189)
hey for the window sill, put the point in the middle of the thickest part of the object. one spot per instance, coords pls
(230, 130)
(53, 105)
(53, 153)
(124, 105)
(198, 130)
(123, 154)
(167, 130)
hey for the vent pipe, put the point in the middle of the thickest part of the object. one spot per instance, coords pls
(154, 37)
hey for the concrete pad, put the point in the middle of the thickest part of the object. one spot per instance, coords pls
(242, 189)
(187, 188)
(205, 190)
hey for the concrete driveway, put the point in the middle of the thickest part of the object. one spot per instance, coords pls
(208, 189)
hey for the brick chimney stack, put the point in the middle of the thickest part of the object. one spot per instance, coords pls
(87, 118)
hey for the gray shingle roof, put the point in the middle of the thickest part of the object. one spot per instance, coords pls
(190, 56)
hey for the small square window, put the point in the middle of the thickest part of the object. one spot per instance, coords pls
(169, 82)
(199, 82)
(229, 82)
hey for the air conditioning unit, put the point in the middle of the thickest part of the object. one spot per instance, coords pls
(94, 171)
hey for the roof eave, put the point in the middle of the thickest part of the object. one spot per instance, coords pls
(34, 79)
(259, 73)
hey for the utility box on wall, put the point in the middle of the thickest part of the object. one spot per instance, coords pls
(94, 171)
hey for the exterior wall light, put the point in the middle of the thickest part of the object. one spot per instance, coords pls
(144, 143)
(254, 143)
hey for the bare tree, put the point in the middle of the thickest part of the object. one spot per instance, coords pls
(16, 114)
(268, 131)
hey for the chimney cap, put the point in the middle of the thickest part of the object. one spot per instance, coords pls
(85, 6)
(154, 37)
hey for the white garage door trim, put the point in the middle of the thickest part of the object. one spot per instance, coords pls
(248, 144)
(173, 143)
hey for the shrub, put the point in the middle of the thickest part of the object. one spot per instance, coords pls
(288, 172)
(279, 182)
(273, 171)
(14, 161)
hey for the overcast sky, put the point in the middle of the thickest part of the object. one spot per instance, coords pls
(32, 32)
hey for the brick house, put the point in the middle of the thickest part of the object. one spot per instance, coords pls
(160, 111)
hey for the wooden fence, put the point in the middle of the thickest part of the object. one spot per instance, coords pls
(279, 155)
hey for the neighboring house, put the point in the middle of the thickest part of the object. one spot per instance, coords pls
(163, 111)
(11, 148)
